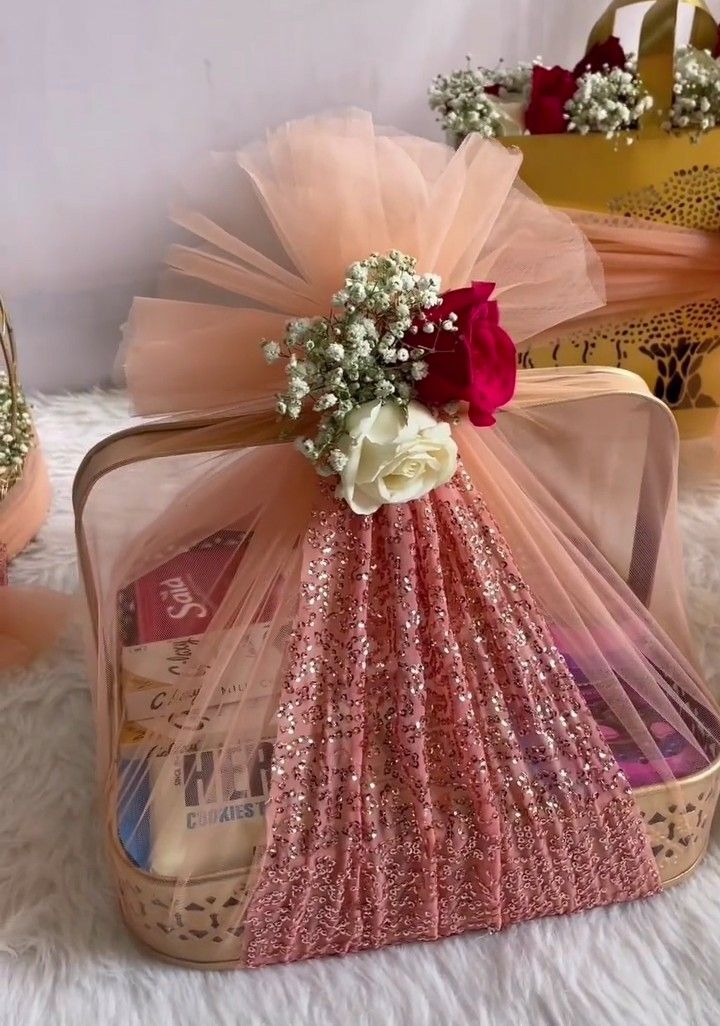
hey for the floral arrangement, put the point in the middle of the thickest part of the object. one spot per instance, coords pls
(16, 428)
(384, 372)
(696, 92)
(602, 93)
(16, 436)
(468, 101)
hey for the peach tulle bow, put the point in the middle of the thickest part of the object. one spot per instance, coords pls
(30, 618)
(334, 189)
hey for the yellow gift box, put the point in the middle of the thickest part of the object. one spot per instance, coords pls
(661, 177)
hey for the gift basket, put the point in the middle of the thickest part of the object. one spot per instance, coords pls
(377, 662)
(637, 141)
(30, 619)
(24, 488)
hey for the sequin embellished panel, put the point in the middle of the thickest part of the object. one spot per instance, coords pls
(436, 769)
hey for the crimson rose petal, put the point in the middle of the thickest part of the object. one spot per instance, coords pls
(477, 363)
(551, 89)
(608, 54)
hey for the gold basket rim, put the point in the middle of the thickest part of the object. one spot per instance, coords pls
(162, 881)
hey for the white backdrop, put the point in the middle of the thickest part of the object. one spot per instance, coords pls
(105, 104)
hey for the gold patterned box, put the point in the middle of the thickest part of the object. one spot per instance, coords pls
(661, 177)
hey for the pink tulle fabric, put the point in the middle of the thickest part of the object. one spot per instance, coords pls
(649, 267)
(436, 767)
(335, 190)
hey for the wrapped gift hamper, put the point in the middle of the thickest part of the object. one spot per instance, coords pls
(29, 618)
(659, 171)
(24, 487)
(391, 644)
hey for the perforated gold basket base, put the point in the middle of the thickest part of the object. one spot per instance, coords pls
(198, 929)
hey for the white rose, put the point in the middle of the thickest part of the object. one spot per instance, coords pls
(392, 457)
(512, 111)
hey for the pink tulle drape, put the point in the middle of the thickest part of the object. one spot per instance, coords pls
(649, 267)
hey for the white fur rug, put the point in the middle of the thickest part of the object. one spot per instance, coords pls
(65, 957)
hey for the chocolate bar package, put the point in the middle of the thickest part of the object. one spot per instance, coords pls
(178, 598)
(170, 791)
(165, 615)
(202, 803)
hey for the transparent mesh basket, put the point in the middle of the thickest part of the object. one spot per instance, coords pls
(200, 594)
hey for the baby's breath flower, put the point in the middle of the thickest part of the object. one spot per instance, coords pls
(363, 349)
(356, 292)
(463, 106)
(358, 352)
(306, 446)
(355, 333)
(326, 401)
(298, 387)
(514, 80)
(609, 101)
(272, 351)
(384, 388)
(357, 272)
(299, 329)
(335, 352)
(337, 460)
(696, 93)
(16, 437)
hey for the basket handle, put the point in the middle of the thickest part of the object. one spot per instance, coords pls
(9, 354)
(656, 57)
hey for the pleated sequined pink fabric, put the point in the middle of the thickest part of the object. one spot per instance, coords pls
(436, 768)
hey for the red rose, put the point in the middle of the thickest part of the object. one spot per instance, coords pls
(716, 48)
(609, 54)
(551, 89)
(493, 90)
(477, 363)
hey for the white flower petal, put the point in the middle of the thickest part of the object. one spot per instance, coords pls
(391, 459)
